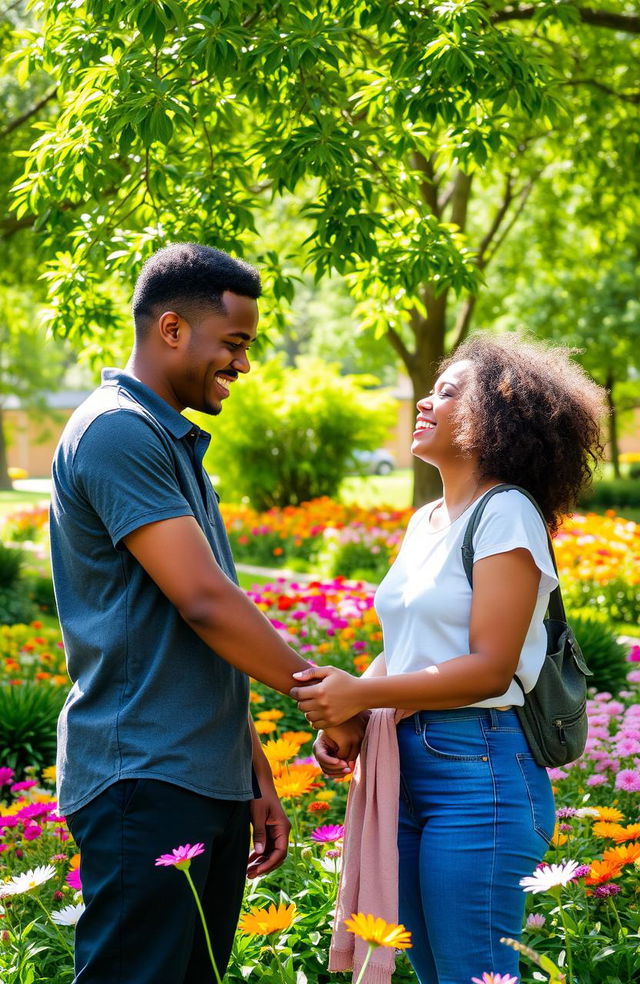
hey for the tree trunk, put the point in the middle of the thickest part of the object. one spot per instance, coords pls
(614, 446)
(5, 482)
(429, 333)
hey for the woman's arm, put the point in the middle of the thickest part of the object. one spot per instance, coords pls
(505, 588)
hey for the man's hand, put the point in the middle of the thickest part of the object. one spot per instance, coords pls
(337, 748)
(270, 833)
(332, 701)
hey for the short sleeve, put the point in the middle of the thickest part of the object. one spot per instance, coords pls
(510, 522)
(126, 474)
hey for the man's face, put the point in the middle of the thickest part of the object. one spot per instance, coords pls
(215, 352)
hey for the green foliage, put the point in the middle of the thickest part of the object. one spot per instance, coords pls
(286, 435)
(612, 494)
(28, 718)
(16, 606)
(605, 656)
(11, 561)
(40, 587)
(618, 598)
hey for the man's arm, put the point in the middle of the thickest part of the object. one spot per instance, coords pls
(177, 556)
(268, 820)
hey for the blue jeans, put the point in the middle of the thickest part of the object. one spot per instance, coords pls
(476, 815)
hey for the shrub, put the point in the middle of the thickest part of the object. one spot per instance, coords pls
(619, 598)
(11, 561)
(612, 493)
(28, 718)
(287, 435)
(605, 656)
(42, 593)
(16, 605)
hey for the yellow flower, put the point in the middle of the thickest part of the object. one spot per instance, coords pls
(49, 774)
(273, 715)
(609, 813)
(265, 727)
(263, 922)
(255, 698)
(280, 750)
(295, 781)
(325, 795)
(378, 932)
(558, 839)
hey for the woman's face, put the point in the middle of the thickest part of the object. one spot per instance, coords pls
(433, 437)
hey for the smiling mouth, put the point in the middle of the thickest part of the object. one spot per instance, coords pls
(423, 425)
(223, 382)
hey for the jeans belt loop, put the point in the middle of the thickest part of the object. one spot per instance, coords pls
(493, 717)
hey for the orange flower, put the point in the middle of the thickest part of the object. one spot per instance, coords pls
(265, 727)
(602, 871)
(273, 715)
(623, 854)
(377, 932)
(627, 833)
(263, 922)
(280, 750)
(558, 839)
(300, 737)
(603, 829)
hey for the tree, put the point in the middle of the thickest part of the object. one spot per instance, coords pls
(185, 120)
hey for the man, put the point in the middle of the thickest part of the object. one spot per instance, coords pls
(156, 746)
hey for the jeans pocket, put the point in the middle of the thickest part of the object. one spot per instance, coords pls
(540, 796)
(459, 744)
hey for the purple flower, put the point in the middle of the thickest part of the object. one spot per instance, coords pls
(565, 811)
(581, 872)
(605, 891)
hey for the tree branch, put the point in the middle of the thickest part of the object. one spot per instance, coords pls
(19, 120)
(397, 343)
(428, 184)
(628, 23)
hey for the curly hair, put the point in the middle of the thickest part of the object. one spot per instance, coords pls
(533, 417)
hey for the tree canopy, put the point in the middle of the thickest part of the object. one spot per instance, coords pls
(412, 135)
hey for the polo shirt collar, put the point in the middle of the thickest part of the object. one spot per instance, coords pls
(174, 422)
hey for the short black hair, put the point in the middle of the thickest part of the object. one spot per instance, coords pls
(189, 277)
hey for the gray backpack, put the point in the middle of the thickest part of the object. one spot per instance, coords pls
(554, 715)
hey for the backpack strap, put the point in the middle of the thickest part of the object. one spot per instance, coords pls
(556, 604)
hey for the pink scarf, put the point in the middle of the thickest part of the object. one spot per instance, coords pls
(369, 880)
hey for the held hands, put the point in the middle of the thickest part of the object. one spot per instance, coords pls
(337, 749)
(332, 701)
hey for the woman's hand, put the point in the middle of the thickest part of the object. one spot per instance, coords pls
(332, 701)
(338, 748)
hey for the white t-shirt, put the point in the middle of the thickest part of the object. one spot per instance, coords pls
(424, 601)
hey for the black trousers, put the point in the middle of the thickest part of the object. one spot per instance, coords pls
(141, 925)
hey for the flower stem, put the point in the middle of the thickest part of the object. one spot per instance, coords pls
(566, 941)
(65, 942)
(283, 976)
(204, 925)
(372, 947)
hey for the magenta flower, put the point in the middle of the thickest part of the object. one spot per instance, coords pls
(328, 834)
(6, 775)
(628, 779)
(26, 784)
(73, 880)
(180, 857)
(32, 832)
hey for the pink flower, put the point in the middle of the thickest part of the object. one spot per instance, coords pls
(628, 779)
(32, 832)
(535, 921)
(26, 784)
(73, 880)
(329, 833)
(495, 979)
(180, 857)
(6, 775)
(555, 775)
(597, 780)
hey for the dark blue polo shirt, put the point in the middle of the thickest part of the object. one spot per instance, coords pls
(149, 698)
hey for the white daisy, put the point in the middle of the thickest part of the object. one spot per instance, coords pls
(27, 881)
(587, 811)
(69, 915)
(550, 876)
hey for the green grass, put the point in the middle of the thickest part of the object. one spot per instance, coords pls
(373, 491)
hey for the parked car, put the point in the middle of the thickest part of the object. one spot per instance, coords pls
(377, 462)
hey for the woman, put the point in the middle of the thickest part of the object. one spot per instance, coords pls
(476, 811)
